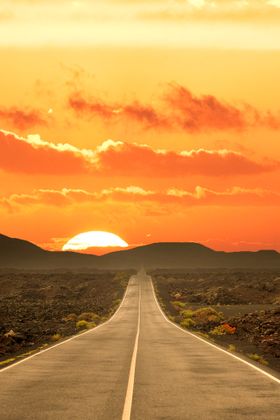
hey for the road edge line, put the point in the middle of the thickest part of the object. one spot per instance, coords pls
(274, 378)
(92, 330)
(131, 378)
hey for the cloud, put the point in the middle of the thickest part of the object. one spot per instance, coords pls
(177, 109)
(236, 196)
(32, 155)
(130, 159)
(146, 115)
(204, 112)
(116, 158)
(67, 196)
(22, 119)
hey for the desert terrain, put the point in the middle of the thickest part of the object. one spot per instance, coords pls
(238, 309)
(38, 308)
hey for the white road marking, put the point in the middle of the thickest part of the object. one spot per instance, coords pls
(213, 345)
(71, 338)
(130, 386)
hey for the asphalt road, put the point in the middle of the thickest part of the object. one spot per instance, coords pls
(138, 366)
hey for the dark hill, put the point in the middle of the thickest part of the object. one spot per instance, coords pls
(17, 253)
(163, 255)
(190, 255)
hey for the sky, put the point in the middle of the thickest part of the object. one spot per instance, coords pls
(157, 120)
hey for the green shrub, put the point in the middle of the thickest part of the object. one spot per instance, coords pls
(219, 330)
(257, 358)
(204, 316)
(55, 337)
(83, 324)
(178, 305)
(231, 347)
(89, 317)
(5, 362)
(187, 323)
(187, 313)
(117, 302)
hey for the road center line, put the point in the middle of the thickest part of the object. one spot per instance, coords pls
(130, 386)
(274, 378)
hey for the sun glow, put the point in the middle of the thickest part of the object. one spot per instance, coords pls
(92, 239)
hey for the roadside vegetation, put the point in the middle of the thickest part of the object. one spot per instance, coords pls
(239, 310)
(42, 308)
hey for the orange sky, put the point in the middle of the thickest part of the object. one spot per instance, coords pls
(158, 121)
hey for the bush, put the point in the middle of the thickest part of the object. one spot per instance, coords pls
(70, 317)
(88, 316)
(178, 305)
(187, 313)
(117, 301)
(218, 330)
(55, 337)
(257, 358)
(204, 316)
(223, 329)
(231, 347)
(187, 323)
(229, 329)
(5, 362)
(83, 324)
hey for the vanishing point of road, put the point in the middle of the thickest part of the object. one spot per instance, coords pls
(140, 366)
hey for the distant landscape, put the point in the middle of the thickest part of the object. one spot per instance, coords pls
(17, 253)
(231, 298)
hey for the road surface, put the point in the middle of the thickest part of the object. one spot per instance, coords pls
(136, 366)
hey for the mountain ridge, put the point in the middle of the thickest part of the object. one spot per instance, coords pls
(19, 253)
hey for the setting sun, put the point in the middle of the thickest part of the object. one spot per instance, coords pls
(92, 239)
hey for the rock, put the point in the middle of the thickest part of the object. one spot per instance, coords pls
(11, 333)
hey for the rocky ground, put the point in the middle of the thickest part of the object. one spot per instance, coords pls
(38, 308)
(237, 309)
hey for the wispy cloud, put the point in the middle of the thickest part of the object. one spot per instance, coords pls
(201, 196)
(177, 108)
(146, 115)
(22, 118)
